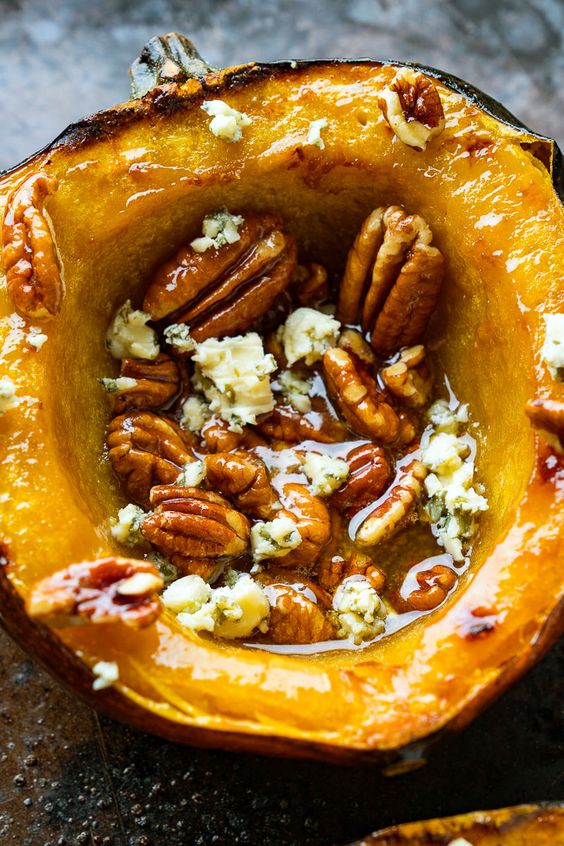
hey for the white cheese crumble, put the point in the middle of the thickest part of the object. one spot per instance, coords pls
(218, 229)
(453, 500)
(234, 376)
(106, 672)
(314, 132)
(194, 414)
(119, 385)
(447, 419)
(128, 336)
(36, 338)
(460, 841)
(8, 398)
(325, 473)
(307, 334)
(553, 347)
(232, 611)
(192, 475)
(295, 390)
(127, 527)
(274, 539)
(226, 123)
(178, 336)
(359, 613)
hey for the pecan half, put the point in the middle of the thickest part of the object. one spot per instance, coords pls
(392, 513)
(392, 279)
(434, 584)
(408, 378)
(295, 614)
(226, 290)
(218, 437)
(157, 383)
(192, 524)
(310, 285)
(352, 342)
(101, 591)
(369, 474)
(412, 107)
(244, 479)
(312, 518)
(146, 450)
(363, 406)
(547, 416)
(287, 424)
(332, 572)
(33, 276)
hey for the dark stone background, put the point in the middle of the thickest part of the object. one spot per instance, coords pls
(70, 777)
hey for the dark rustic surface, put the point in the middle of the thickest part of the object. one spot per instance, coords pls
(70, 778)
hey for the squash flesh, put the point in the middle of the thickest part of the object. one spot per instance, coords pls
(149, 199)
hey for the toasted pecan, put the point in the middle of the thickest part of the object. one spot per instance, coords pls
(101, 591)
(33, 275)
(146, 449)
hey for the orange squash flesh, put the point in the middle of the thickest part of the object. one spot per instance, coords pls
(523, 825)
(134, 184)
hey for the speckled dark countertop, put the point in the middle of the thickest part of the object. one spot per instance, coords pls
(68, 777)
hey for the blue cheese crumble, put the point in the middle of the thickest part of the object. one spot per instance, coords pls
(234, 376)
(358, 612)
(226, 123)
(325, 473)
(307, 334)
(218, 229)
(453, 500)
(128, 335)
(126, 528)
(233, 611)
(553, 347)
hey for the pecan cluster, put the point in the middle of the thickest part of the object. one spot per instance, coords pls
(392, 279)
(225, 291)
(215, 494)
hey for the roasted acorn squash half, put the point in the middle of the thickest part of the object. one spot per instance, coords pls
(523, 825)
(132, 185)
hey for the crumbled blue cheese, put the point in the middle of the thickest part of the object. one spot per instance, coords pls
(218, 229)
(307, 334)
(167, 571)
(314, 133)
(128, 335)
(295, 390)
(553, 347)
(358, 611)
(234, 376)
(192, 475)
(195, 413)
(235, 610)
(127, 527)
(226, 123)
(8, 398)
(36, 338)
(106, 672)
(178, 336)
(274, 539)
(453, 501)
(325, 473)
(460, 841)
(118, 386)
(447, 419)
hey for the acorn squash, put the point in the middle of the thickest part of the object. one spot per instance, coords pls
(133, 185)
(523, 825)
